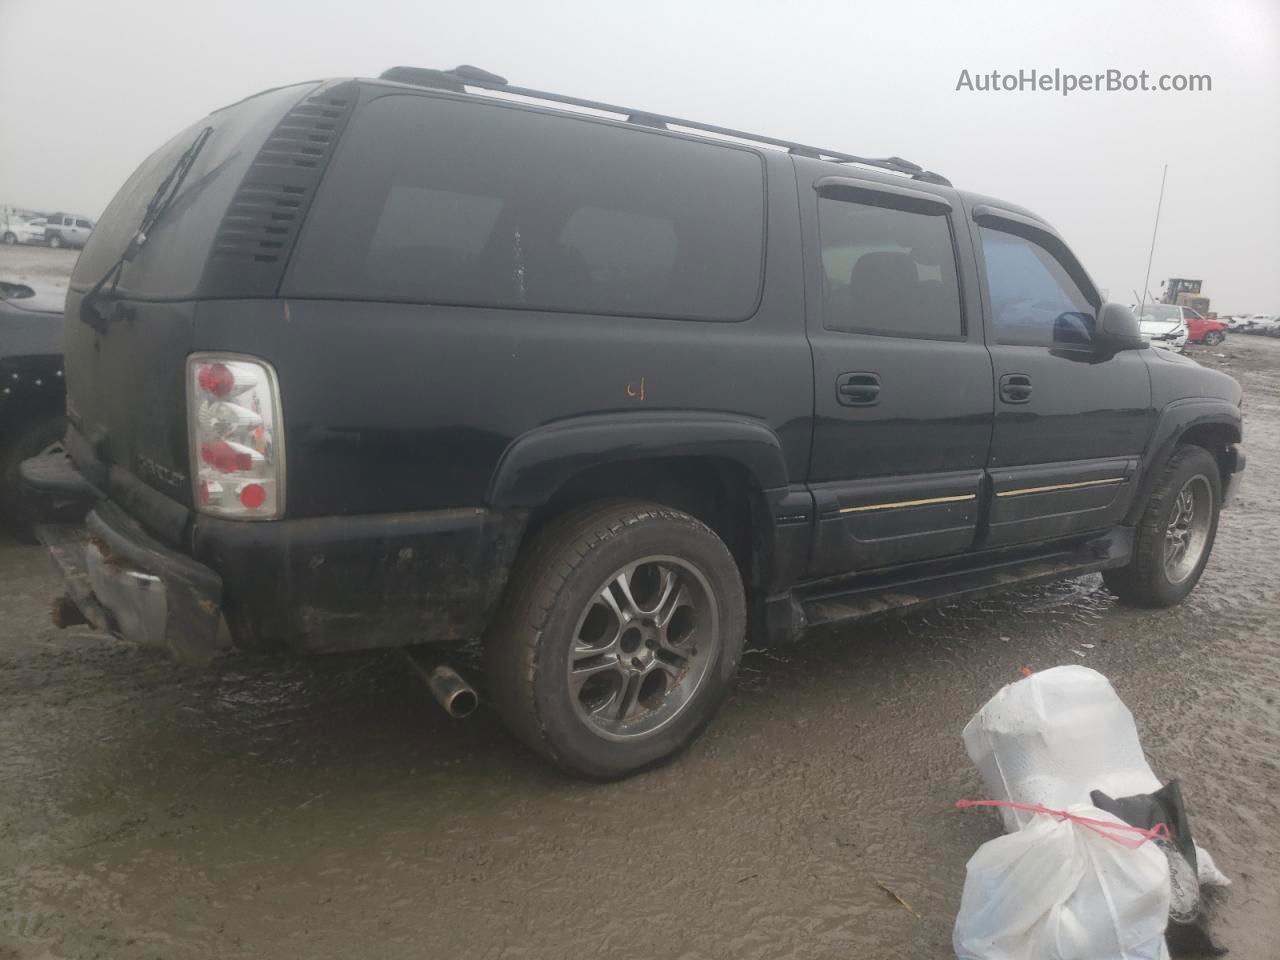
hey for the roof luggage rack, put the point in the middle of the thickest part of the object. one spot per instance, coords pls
(459, 78)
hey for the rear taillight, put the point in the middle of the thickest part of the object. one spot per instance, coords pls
(236, 436)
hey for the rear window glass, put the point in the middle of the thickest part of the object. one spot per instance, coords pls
(172, 261)
(440, 201)
(887, 271)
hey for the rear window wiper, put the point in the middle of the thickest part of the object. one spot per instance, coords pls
(159, 204)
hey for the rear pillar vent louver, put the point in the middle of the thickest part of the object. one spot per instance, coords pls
(261, 223)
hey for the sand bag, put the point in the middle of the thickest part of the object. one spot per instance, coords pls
(1075, 884)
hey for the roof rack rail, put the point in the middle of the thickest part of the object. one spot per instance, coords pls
(457, 79)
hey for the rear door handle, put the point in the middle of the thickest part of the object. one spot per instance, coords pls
(1015, 388)
(858, 389)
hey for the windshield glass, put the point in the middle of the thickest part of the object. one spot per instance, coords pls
(1159, 313)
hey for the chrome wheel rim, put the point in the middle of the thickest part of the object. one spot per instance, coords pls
(1187, 532)
(643, 647)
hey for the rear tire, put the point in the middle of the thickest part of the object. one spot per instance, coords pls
(55, 241)
(619, 638)
(1175, 535)
(29, 440)
(10, 238)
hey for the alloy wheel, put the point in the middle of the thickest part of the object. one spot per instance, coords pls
(1187, 532)
(643, 647)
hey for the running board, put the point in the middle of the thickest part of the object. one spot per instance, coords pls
(885, 595)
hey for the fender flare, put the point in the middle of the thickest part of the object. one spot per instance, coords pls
(539, 462)
(1171, 426)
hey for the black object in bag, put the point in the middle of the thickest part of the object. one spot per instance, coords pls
(1186, 934)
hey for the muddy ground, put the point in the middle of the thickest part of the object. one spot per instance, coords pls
(328, 809)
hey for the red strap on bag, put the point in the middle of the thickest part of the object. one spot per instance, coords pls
(1122, 833)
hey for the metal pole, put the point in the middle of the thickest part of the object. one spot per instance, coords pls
(1150, 256)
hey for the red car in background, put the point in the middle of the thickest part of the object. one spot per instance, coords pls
(1202, 329)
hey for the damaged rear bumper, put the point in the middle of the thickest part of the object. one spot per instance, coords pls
(196, 586)
(126, 583)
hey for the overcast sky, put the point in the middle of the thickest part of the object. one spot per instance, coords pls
(89, 87)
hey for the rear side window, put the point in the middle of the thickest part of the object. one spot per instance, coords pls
(888, 271)
(1034, 300)
(441, 201)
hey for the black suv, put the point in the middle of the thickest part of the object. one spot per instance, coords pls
(366, 363)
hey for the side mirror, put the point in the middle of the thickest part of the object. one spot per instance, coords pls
(1118, 329)
(1074, 328)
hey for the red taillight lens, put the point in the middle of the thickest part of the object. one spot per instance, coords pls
(253, 495)
(225, 458)
(236, 437)
(216, 379)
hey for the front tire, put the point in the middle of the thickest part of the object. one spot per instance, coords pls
(619, 638)
(10, 238)
(1214, 337)
(1175, 535)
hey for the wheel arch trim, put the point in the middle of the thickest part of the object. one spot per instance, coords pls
(537, 463)
(1172, 426)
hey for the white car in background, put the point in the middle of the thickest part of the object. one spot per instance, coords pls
(1163, 326)
(24, 231)
(1264, 323)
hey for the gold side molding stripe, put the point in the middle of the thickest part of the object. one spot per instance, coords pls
(909, 503)
(1061, 486)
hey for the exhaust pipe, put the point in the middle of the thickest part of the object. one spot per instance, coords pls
(458, 697)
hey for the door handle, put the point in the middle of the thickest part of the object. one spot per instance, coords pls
(858, 389)
(1015, 388)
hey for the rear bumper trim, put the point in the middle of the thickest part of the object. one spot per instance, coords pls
(130, 585)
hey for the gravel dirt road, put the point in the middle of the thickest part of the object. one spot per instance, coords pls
(328, 809)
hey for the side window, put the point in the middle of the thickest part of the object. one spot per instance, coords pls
(624, 251)
(434, 200)
(888, 271)
(1033, 299)
(433, 236)
(83, 223)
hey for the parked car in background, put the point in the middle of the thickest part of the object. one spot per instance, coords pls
(1163, 325)
(32, 392)
(1202, 329)
(17, 225)
(67, 230)
(598, 392)
(25, 231)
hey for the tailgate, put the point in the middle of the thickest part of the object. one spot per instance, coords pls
(125, 388)
(126, 344)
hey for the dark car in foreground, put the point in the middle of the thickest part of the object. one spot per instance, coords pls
(32, 395)
(369, 363)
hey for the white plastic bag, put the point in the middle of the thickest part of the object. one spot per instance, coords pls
(1056, 735)
(1058, 890)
